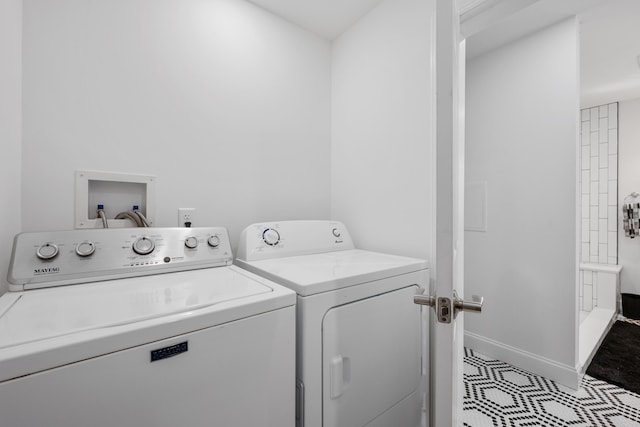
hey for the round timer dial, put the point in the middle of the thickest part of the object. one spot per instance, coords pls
(271, 237)
(143, 246)
(47, 251)
(191, 242)
(85, 249)
(213, 241)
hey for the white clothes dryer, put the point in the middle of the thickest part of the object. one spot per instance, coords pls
(142, 327)
(359, 334)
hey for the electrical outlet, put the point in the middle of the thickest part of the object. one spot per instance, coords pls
(186, 216)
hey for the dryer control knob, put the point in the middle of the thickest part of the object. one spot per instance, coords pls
(336, 232)
(213, 241)
(271, 237)
(85, 249)
(143, 246)
(47, 251)
(191, 242)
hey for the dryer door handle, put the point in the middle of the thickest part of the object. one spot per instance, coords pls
(340, 375)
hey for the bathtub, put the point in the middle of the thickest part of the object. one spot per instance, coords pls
(599, 304)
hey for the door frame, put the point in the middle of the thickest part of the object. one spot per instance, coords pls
(446, 339)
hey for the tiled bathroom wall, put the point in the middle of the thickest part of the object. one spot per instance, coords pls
(599, 190)
(599, 184)
(588, 290)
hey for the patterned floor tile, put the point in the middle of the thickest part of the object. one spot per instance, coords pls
(500, 395)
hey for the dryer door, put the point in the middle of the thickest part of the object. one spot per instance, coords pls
(371, 362)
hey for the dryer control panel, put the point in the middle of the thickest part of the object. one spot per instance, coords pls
(292, 238)
(46, 259)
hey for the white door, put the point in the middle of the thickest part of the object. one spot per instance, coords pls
(446, 319)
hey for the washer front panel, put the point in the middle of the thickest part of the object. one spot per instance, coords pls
(82, 256)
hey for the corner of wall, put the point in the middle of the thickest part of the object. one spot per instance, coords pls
(10, 129)
(563, 374)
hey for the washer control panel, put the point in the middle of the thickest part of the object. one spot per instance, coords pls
(292, 238)
(46, 259)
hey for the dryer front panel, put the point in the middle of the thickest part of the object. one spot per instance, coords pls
(371, 361)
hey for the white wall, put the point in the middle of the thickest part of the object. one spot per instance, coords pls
(228, 105)
(522, 116)
(10, 128)
(628, 182)
(381, 152)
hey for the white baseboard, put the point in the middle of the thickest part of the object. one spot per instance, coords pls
(530, 362)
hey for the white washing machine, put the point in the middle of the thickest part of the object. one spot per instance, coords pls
(142, 328)
(359, 334)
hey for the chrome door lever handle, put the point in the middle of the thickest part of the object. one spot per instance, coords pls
(424, 300)
(474, 305)
(445, 309)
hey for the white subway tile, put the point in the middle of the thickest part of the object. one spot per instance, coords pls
(612, 244)
(613, 192)
(585, 115)
(588, 277)
(593, 243)
(613, 167)
(603, 209)
(593, 218)
(593, 259)
(612, 218)
(602, 253)
(594, 142)
(612, 261)
(603, 180)
(585, 230)
(603, 111)
(584, 181)
(613, 114)
(585, 252)
(581, 300)
(595, 119)
(602, 231)
(613, 141)
(587, 304)
(594, 193)
(585, 159)
(603, 152)
(603, 130)
(585, 133)
(585, 207)
(595, 165)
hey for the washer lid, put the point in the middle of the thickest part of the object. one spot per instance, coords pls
(47, 328)
(312, 274)
(43, 314)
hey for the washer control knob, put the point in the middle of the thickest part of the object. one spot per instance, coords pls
(143, 246)
(85, 249)
(213, 241)
(271, 237)
(191, 242)
(336, 232)
(47, 251)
